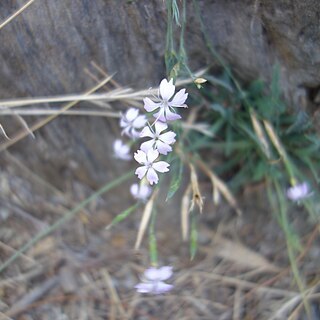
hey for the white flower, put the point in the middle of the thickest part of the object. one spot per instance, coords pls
(132, 123)
(121, 150)
(166, 106)
(158, 141)
(299, 192)
(149, 168)
(140, 192)
(153, 281)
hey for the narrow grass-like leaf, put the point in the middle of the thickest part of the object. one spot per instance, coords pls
(219, 82)
(175, 180)
(193, 237)
(123, 215)
(153, 251)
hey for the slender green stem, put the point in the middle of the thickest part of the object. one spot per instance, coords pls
(290, 246)
(153, 251)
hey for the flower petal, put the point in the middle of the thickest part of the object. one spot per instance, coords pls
(145, 192)
(160, 126)
(299, 192)
(134, 134)
(150, 105)
(144, 287)
(161, 166)
(163, 148)
(146, 132)
(134, 189)
(162, 287)
(151, 274)
(179, 99)
(160, 115)
(171, 116)
(121, 150)
(168, 137)
(146, 146)
(131, 114)
(141, 171)
(152, 155)
(166, 89)
(139, 122)
(140, 157)
(165, 273)
(123, 122)
(152, 176)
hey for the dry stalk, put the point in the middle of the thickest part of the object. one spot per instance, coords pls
(113, 95)
(185, 210)
(114, 297)
(145, 220)
(260, 134)
(196, 193)
(43, 112)
(24, 7)
(41, 123)
(238, 304)
(274, 138)
(220, 185)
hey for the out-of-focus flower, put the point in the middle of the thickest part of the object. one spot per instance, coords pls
(167, 101)
(121, 150)
(159, 141)
(153, 281)
(132, 123)
(299, 192)
(149, 167)
(140, 192)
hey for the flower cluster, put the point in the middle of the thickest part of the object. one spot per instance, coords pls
(299, 192)
(159, 139)
(153, 281)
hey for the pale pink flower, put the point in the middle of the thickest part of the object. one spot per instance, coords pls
(140, 192)
(132, 123)
(149, 167)
(167, 101)
(153, 281)
(121, 150)
(299, 192)
(159, 141)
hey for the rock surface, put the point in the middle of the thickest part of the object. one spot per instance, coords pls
(47, 49)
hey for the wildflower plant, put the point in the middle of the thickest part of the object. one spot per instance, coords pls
(257, 138)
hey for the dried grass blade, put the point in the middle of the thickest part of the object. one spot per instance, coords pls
(4, 23)
(185, 210)
(24, 124)
(145, 220)
(113, 293)
(242, 255)
(222, 187)
(196, 197)
(41, 123)
(260, 134)
(4, 132)
(274, 138)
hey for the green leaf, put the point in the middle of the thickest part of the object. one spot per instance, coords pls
(121, 216)
(153, 251)
(175, 181)
(193, 237)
